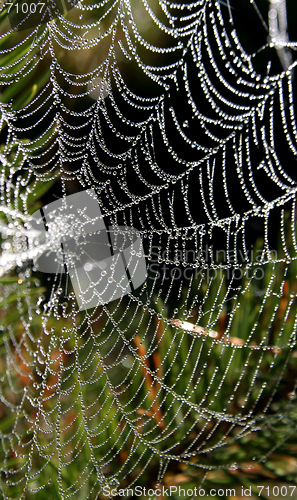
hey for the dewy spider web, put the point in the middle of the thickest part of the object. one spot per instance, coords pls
(190, 138)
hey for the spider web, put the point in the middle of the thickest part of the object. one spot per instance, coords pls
(190, 138)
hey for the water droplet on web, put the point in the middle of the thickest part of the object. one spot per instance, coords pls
(88, 266)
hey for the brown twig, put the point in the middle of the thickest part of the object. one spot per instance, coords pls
(189, 327)
(151, 386)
